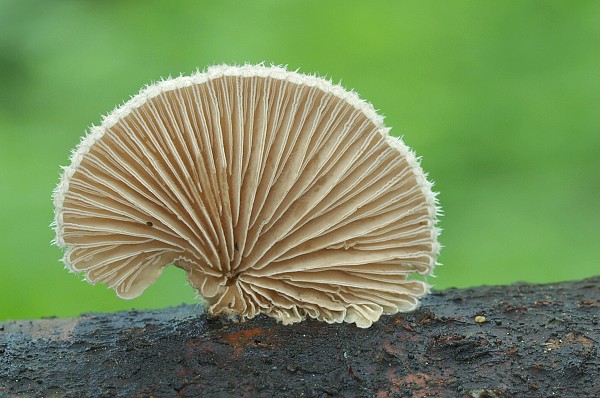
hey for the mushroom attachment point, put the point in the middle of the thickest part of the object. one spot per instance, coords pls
(278, 193)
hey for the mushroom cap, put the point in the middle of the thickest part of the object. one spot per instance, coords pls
(277, 192)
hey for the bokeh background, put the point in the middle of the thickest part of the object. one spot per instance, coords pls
(501, 99)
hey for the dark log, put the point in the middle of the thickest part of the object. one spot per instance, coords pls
(536, 340)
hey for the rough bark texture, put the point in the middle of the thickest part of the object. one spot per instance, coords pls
(537, 340)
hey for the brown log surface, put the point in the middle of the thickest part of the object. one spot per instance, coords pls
(536, 341)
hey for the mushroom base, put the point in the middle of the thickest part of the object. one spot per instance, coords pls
(242, 296)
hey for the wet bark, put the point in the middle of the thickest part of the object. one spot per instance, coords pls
(535, 340)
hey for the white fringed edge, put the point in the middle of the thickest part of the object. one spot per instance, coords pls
(218, 71)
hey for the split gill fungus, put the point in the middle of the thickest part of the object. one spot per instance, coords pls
(278, 193)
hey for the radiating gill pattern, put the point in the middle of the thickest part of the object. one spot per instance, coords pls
(278, 193)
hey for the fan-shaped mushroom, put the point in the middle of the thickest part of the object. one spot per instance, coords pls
(278, 193)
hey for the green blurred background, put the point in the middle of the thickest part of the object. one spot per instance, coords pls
(501, 99)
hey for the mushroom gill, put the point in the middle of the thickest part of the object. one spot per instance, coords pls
(278, 193)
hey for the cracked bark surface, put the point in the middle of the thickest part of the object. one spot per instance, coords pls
(537, 340)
